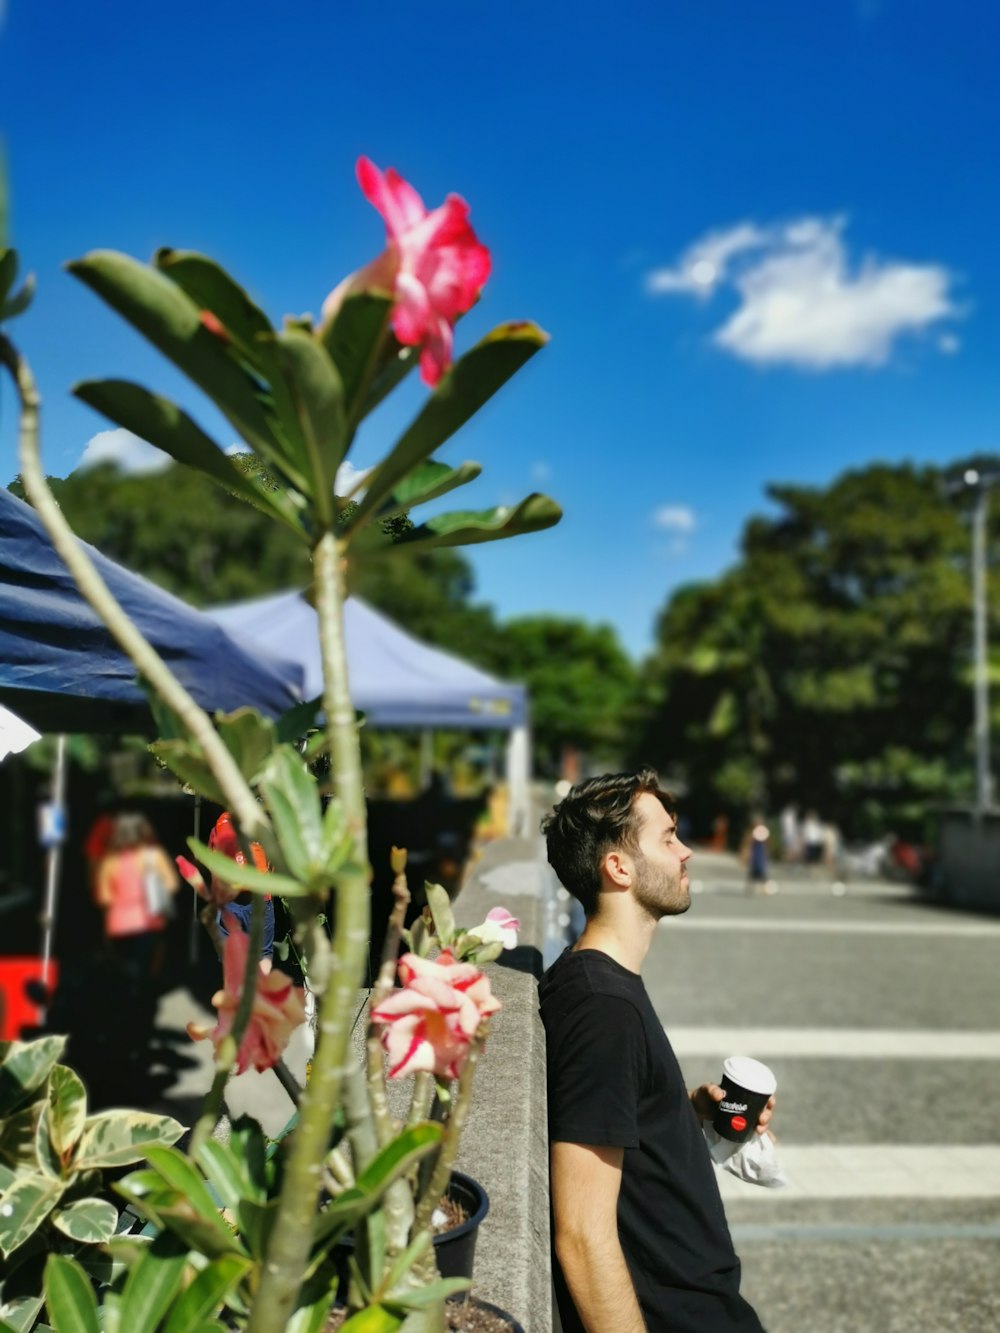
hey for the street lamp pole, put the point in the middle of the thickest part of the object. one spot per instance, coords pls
(984, 775)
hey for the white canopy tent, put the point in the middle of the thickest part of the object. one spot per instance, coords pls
(396, 680)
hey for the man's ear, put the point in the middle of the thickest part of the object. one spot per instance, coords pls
(617, 867)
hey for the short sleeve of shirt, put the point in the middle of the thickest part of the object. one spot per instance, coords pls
(596, 1069)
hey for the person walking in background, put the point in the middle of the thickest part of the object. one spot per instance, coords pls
(813, 839)
(756, 856)
(135, 886)
(640, 1235)
(791, 834)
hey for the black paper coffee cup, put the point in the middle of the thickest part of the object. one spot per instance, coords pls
(747, 1086)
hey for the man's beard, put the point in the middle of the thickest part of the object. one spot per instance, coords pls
(658, 891)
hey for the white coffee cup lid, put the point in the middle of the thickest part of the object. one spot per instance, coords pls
(750, 1074)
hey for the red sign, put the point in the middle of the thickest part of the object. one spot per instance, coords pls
(738, 1123)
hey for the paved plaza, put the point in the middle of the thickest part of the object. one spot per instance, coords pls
(880, 1016)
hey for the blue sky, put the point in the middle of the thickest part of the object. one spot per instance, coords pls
(762, 237)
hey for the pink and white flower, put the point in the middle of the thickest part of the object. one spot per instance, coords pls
(278, 1007)
(429, 1024)
(498, 928)
(433, 264)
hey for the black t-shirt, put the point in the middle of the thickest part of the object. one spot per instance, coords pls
(614, 1081)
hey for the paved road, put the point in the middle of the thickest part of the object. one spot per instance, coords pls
(881, 1018)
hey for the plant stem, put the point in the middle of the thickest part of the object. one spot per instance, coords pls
(230, 1049)
(453, 1127)
(148, 662)
(291, 1238)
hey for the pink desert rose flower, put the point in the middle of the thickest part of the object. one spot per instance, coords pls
(429, 1024)
(278, 1007)
(434, 265)
(498, 928)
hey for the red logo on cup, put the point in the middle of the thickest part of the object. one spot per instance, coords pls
(738, 1123)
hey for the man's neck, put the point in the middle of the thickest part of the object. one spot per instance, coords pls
(625, 938)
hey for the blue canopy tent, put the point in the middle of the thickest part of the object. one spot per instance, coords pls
(61, 669)
(396, 680)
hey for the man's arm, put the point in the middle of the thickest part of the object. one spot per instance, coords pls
(585, 1180)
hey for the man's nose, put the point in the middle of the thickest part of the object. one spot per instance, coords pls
(685, 852)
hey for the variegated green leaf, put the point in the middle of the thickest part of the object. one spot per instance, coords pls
(119, 1138)
(69, 1297)
(19, 1139)
(20, 1312)
(24, 1206)
(89, 1221)
(24, 1066)
(67, 1109)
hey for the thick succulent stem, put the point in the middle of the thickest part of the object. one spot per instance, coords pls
(291, 1238)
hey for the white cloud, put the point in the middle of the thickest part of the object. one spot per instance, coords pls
(676, 518)
(348, 476)
(802, 303)
(126, 451)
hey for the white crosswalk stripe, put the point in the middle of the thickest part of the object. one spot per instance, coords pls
(835, 1043)
(877, 1171)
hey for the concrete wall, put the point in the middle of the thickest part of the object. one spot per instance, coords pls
(505, 1143)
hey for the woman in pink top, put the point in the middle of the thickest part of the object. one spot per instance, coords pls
(126, 881)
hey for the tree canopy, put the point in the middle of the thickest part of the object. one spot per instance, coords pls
(832, 665)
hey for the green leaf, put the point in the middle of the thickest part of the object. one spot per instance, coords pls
(391, 1162)
(24, 1206)
(24, 1066)
(318, 398)
(314, 1301)
(151, 1285)
(89, 1221)
(246, 876)
(17, 305)
(8, 271)
(353, 340)
(246, 1142)
(292, 800)
(298, 719)
(440, 905)
(468, 527)
(67, 1109)
(206, 1293)
(470, 383)
(119, 1138)
(419, 1298)
(164, 424)
(428, 481)
(69, 1297)
(224, 1172)
(375, 1319)
(256, 1222)
(210, 287)
(171, 321)
(180, 1175)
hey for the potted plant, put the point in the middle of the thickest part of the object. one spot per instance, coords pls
(237, 1237)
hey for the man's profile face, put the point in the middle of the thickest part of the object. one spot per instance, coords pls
(661, 881)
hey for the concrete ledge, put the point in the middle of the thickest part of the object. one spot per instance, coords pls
(505, 1144)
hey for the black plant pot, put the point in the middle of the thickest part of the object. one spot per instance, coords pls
(515, 1327)
(455, 1250)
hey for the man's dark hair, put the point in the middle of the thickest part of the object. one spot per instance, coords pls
(597, 816)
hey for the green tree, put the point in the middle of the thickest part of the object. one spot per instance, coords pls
(830, 666)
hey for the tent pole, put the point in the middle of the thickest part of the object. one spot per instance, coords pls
(426, 757)
(53, 862)
(518, 781)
